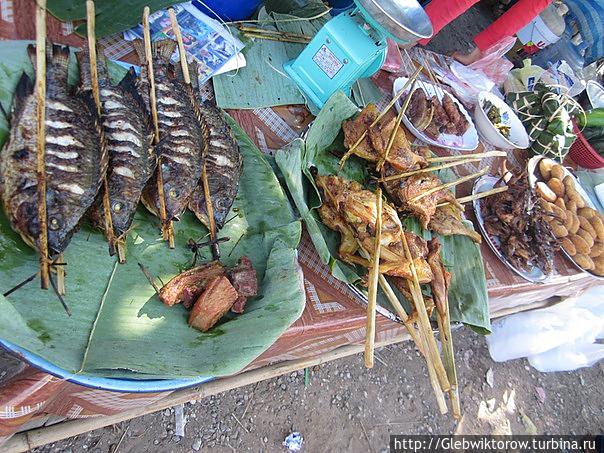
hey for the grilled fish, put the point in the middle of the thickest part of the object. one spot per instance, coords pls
(224, 165)
(128, 135)
(76, 159)
(181, 139)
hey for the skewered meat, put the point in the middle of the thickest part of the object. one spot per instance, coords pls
(404, 191)
(447, 221)
(243, 278)
(458, 124)
(224, 165)
(374, 146)
(187, 286)
(351, 210)
(76, 159)
(215, 301)
(181, 140)
(128, 135)
(442, 278)
(520, 223)
(421, 109)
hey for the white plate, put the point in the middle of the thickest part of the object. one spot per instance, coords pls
(487, 182)
(534, 177)
(466, 142)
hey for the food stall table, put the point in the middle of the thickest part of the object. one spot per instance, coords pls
(332, 325)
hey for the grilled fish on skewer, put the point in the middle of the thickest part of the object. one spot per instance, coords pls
(224, 165)
(128, 136)
(76, 159)
(181, 141)
(447, 221)
(351, 210)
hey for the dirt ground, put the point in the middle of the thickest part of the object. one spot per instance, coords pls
(344, 406)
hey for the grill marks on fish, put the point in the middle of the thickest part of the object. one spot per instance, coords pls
(181, 140)
(224, 165)
(75, 159)
(128, 136)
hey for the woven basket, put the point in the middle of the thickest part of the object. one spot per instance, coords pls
(583, 153)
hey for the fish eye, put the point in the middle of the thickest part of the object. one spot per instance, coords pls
(173, 193)
(117, 207)
(54, 224)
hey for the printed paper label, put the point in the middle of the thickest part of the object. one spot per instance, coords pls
(327, 61)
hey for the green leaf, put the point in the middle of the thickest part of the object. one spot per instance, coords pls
(136, 336)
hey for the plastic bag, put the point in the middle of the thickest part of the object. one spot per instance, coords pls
(394, 60)
(493, 64)
(568, 357)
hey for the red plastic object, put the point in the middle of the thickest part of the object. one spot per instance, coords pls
(583, 154)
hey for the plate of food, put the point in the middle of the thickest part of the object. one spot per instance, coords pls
(516, 232)
(576, 222)
(498, 123)
(437, 117)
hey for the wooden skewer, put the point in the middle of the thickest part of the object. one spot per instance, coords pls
(374, 273)
(41, 144)
(444, 327)
(60, 268)
(276, 38)
(477, 196)
(380, 116)
(449, 184)
(486, 155)
(187, 79)
(167, 226)
(397, 123)
(426, 169)
(266, 31)
(424, 321)
(94, 80)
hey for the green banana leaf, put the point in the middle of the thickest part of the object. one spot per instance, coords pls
(468, 297)
(118, 327)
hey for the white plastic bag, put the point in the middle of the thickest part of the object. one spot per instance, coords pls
(534, 332)
(493, 64)
(568, 357)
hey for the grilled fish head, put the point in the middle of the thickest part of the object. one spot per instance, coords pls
(60, 227)
(122, 213)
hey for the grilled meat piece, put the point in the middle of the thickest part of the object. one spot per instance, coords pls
(224, 165)
(180, 138)
(76, 159)
(458, 124)
(351, 210)
(421, 109)
(354, 128)
(215, 301)
(403, 286)
(440, 118)
(400, 156)
(243, 279)
(403, 192)
(186, 287)
(128, 134)
(442, 278)
(447, 221)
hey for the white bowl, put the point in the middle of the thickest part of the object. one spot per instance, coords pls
(518, 136)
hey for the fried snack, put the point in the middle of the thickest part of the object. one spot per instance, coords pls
(586, 225)
(597, 250)
(558, 228)
(559, 212)
(545, 168)
(587, 237)
(568, 246)
(584, 261)
(598, 226)
(580, 244)
(576, 224)
(545, 192)
(598, 266)
(571, 192)
(587, 212)
(557, 171)
(560, 203)
(557, 186)
(571, 205)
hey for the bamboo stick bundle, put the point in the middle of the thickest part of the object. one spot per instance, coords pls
(167, 225)
(450, 184)
(486, 155)
(446, 339)
(41, 144)
(374, 273)
(426, 169)
(380, 116)
(94, 80)
(476, 196)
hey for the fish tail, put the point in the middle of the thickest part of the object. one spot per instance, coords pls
(84, 65)
(139, 48)
(130, 83)
(163, 49)
(24, 88)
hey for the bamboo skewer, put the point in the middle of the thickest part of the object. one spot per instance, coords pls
(60, 269)
(486, 155)
(374, 273)
(380, 116)
(426, 169)
(266, 31)
(187, 79)
(444, 327)
(94, 81)
(449, 184)
(41, 144)
(167, 226)
(276, 38)
(424, 321)
(476, 196)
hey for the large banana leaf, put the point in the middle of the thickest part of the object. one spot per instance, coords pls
(119, 327)
(468, 294)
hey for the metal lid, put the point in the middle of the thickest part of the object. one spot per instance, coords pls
(402, 20)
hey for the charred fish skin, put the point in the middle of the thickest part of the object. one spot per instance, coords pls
(75, 158)
(181, 140)
(128, 138)
(224, 166)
